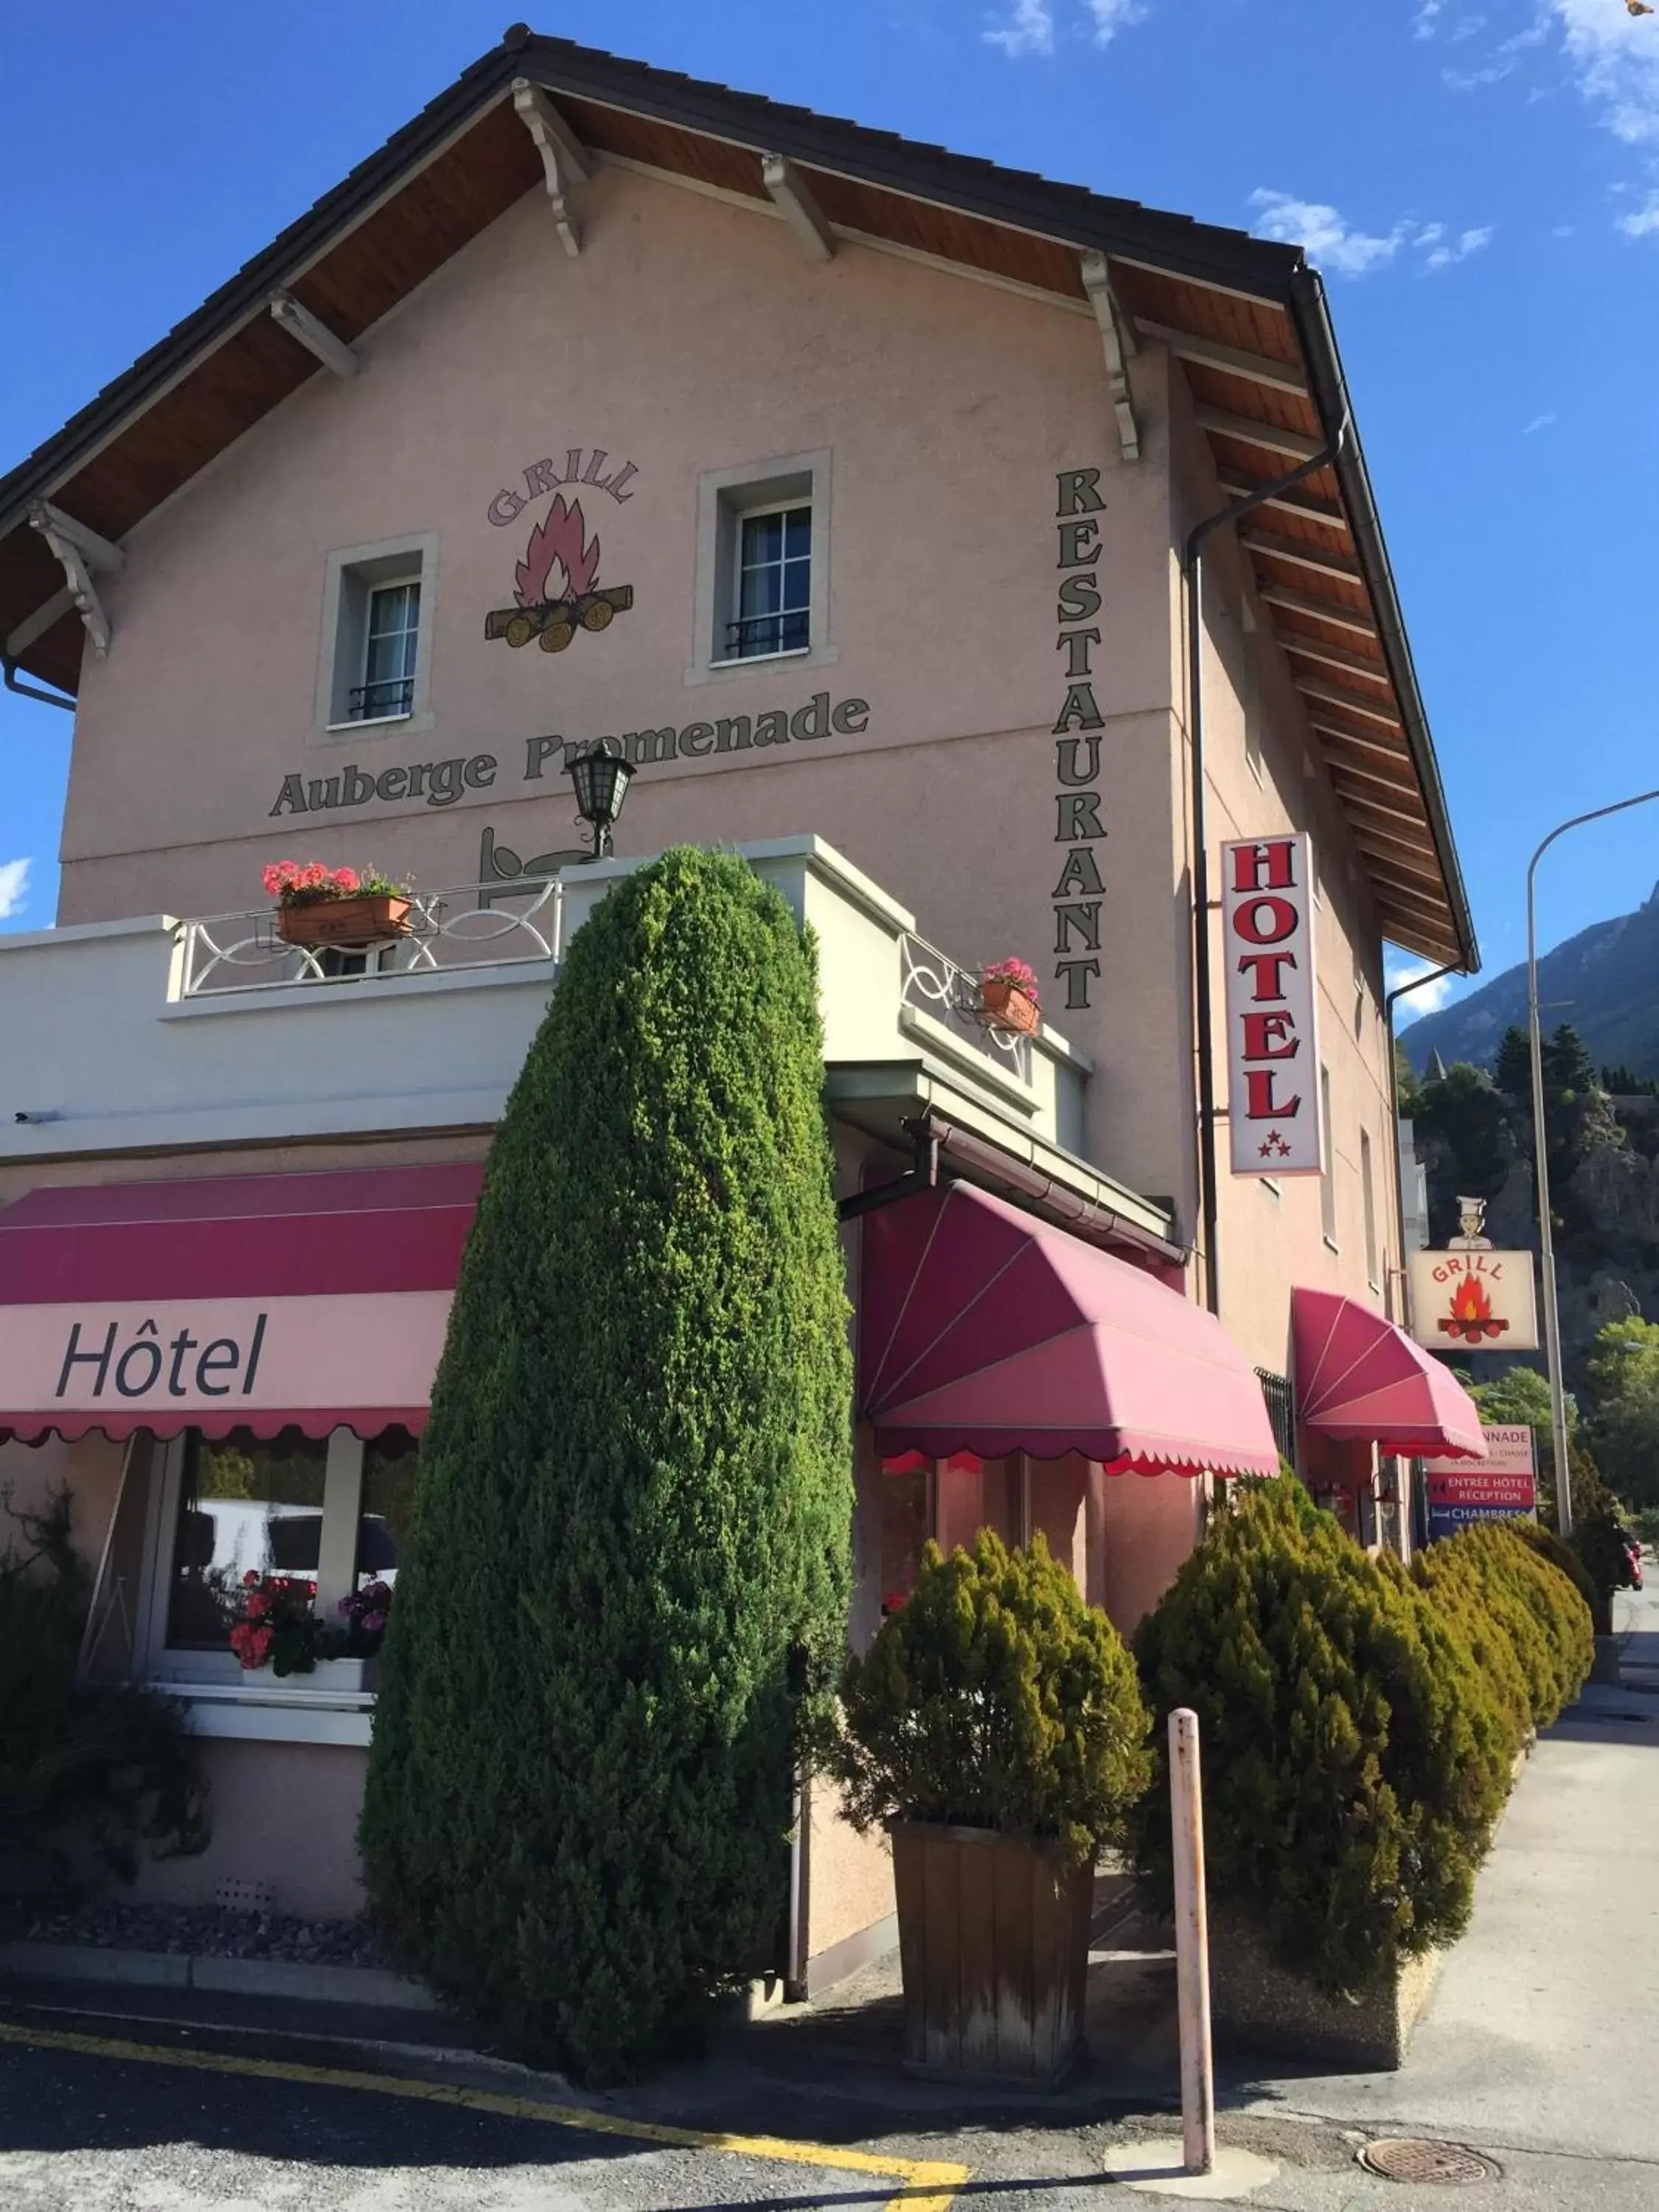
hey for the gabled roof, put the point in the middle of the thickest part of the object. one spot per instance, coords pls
(1246, 317)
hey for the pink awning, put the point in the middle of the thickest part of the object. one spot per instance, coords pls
(983, 1329)
(1361, 1379)
(259, 1302)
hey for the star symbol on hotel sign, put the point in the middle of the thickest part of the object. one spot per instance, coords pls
(1275, 1143)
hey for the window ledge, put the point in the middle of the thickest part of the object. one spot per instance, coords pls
(368, 722)
(754, 659)
(274, 1713)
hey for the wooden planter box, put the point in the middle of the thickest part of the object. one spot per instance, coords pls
(1008, 1007)
(1257, 2005)
(369, 918)
(994, 1943)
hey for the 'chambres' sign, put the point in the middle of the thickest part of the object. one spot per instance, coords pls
(1274, 1107)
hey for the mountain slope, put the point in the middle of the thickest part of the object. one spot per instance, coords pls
(1608, 977)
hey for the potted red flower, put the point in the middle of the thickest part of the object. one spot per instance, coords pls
(346, 907)
(277, 1625)
(1008, 992)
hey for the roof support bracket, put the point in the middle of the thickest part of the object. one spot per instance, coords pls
(792, 195)
(79, 553)
(315, 336)
(564, 158)
(1117, 343)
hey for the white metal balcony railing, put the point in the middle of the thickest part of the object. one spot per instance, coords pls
(477, 925)
(933, 983)
(470, 926)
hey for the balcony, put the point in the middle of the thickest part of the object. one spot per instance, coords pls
(160, 1035)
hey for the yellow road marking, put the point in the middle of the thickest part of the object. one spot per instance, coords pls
(930, 2185)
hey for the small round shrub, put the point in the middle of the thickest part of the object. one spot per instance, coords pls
(1354, 1757)
(1467, 1588)
(994, 1699)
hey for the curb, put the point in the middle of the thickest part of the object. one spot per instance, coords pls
(185, 1969)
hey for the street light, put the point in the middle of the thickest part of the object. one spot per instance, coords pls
(601, 779)
(1540, 1154)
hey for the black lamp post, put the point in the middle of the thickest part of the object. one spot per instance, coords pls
(601, 778)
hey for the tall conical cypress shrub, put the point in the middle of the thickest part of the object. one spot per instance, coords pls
(631, 1533)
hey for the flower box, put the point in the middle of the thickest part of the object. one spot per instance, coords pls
(370, 918)
(1007, 1007)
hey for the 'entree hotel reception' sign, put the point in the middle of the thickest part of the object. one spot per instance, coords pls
(1274, 1108)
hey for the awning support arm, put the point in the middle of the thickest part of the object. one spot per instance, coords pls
(923, 1176)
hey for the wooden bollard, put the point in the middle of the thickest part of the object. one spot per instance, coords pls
(1192, 1946)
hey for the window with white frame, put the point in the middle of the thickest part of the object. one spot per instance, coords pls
(773, 601)
(762, 589)
(391, 651)
(1368, 1199)
(247, 1530)
(374, 668)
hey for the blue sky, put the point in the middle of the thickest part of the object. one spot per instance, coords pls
(1478, 179)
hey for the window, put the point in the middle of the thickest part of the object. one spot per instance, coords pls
(1328, 1180)
(391, 650)
(332, 1516)
(774, 601)
(374, 667)
(1368, 1199)
(762, 567)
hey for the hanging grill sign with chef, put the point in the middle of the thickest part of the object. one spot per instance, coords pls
(1471, 1298)
(556, 587)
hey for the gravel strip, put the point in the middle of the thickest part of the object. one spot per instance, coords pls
(205, 1931)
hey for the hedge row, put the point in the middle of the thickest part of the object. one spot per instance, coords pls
(1359, 1722)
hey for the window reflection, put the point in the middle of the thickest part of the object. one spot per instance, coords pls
(388, 1497)
(247, 1505)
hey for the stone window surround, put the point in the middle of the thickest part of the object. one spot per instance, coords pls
(724, 495)
(349, 572)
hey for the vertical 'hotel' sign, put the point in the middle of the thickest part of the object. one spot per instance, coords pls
(1272, 1044)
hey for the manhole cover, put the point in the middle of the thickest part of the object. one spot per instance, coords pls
(1410, 2158)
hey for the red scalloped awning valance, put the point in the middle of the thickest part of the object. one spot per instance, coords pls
(241, 1301)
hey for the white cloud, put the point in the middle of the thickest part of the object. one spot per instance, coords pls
(1430, 998)
(1615, 56)
(1319, 229)
(13, 887)
(1032, 27)
(1642, 222)
(1345, 251)
(1538, 422)
(1111, 16)
(1029, 30)
(1446, 251)
(1428, 17)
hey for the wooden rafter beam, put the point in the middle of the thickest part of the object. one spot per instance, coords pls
(1329, 696)
(1207, 353)
(1117, 344)
(1387, 862)
(565, 159)
(1367, 742)
(1301, 555)
(1272, 438)
(1331, 656)
(319, 341)
(1324, 512)
(1325, 611)
(1364, 782)
(792, 197)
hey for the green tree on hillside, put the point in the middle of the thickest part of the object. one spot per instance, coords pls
(1624, 1373)
(1512, 1071)
(629, 1564)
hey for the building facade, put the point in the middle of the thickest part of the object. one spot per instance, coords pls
(848, 489)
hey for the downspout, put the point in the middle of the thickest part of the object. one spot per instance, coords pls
(1420, 1518)
(8, 670)
(1203, 994)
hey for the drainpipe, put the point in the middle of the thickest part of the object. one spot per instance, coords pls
(8, 670)
(1420, 1518)
(1193, 573)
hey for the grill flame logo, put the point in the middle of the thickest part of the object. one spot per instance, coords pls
(561, 562)
(1470, 1316)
